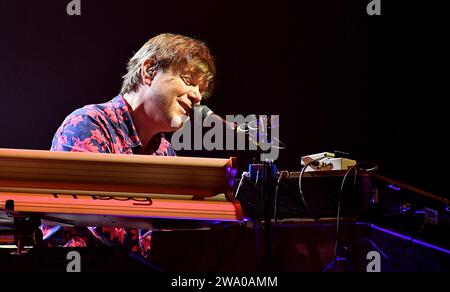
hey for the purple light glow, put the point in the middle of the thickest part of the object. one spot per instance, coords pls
(394, 187)
(52, 231)
(231, 175)
(404, 210)
(409, 239)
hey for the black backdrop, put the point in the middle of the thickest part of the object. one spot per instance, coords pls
(338, 78)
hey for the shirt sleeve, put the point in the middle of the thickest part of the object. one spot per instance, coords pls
(81, 133)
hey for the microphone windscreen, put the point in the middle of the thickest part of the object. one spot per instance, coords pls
(203, 110)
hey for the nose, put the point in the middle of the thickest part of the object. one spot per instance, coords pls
(194, 95)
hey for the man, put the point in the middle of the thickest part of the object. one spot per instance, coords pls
(165, 78)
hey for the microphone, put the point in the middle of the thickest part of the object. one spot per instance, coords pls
(204, 112)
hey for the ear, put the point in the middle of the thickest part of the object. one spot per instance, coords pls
(148, 71)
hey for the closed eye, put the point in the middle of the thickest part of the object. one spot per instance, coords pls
(187, 80)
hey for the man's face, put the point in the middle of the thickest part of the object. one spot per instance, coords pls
(170, 99)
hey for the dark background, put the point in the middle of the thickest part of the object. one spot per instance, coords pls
(339, 79)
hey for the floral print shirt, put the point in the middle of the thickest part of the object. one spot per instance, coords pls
(102, 128)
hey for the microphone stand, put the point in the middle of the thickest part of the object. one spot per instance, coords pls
(269, 181)
(268, 187)
(268, 194)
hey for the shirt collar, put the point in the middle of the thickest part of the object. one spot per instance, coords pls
(126, 122)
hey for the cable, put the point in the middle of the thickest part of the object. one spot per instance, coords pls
(257, 177)
(300, 188)
(339, 203)
(334, 263)
(302, 197)
(243, 176)
(413, 238)
(282, 174)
